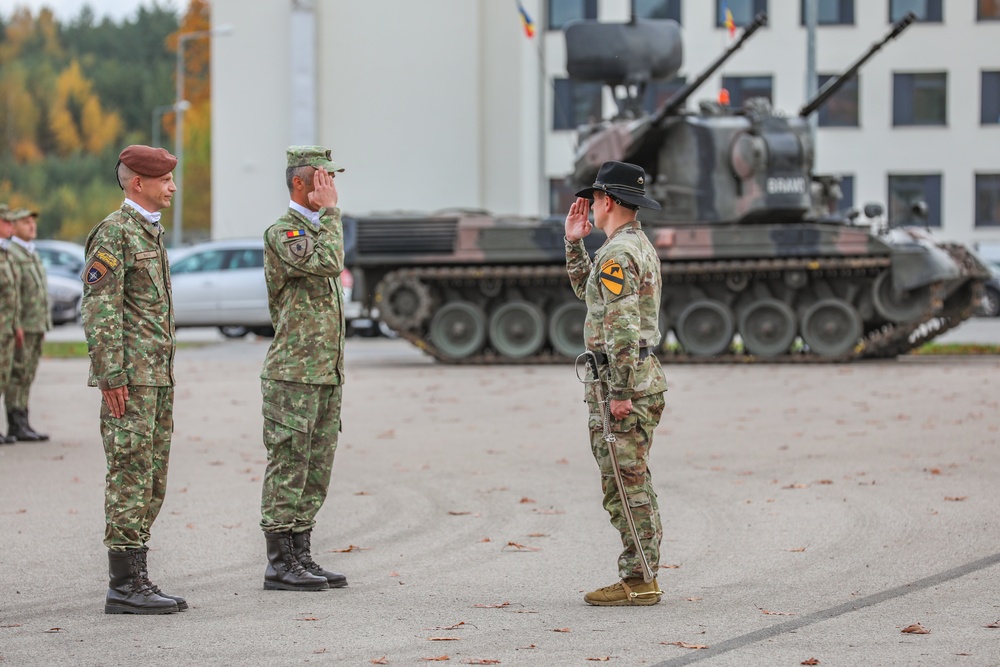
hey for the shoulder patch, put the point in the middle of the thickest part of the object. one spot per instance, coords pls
(106, 258)
(95, 272)
(612, 277)
(295, 232)
(300, 247)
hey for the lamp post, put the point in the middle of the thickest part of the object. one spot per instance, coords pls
(158, 114)
(180, 106)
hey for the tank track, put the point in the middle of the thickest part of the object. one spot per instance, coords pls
(886, 342)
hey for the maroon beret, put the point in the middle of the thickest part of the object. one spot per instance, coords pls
(148, 161)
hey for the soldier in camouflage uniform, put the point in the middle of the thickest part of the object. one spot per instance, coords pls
(36, 319)
(129, 321)
(304, 369)
(11, 334)
(622, 289)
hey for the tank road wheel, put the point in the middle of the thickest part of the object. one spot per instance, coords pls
(705, 328)
(403, 302)
(831, 327)
(566, 328)
(768, 327)
(458, 329)
(899, 307)
(517, 329)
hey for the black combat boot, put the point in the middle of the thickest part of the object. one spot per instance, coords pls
(284, 572)
(17, 427)
(300, 544)
(144, 573)
(128, 593)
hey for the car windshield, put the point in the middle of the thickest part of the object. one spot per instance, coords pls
(60, 261)
(210, 260)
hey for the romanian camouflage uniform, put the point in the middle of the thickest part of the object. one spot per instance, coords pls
(36, 319)
(622, 290)
(129, 320)
(10, 312)
(304, 368)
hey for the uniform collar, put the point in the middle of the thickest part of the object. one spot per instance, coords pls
(27, 245)
(135, 212)
(311, 216)
(151, 217)
(631, 224)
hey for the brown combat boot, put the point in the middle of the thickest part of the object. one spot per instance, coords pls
(626, 592)
(301, 548)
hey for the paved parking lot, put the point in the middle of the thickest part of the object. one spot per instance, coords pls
(810, 512)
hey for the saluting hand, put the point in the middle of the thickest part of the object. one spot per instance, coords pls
(324, 193)
(116, 399)
(578, 220)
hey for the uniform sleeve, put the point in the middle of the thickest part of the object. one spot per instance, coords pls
(302, 256)
(578, 266)
(619, 279)
(15, 271)
(103, 305)
(25, 286)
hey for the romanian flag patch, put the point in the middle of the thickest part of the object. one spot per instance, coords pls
(294, 233)
(612, 277)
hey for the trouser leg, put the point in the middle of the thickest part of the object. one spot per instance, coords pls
(23, 371)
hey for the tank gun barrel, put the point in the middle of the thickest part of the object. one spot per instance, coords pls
(834, 84)
(678, 99)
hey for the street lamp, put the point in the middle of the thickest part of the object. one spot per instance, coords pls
(158, 114)
(180, 106)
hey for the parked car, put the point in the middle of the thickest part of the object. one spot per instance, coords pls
(65, 294)
(62, 257)
(221, 284)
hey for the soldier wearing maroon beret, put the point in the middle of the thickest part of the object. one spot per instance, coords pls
(129, 321)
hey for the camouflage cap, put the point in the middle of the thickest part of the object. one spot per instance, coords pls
(311, 156)
(21, 214)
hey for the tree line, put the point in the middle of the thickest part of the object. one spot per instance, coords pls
(73, 94)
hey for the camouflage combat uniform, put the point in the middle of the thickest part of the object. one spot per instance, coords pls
(36, 319)
(129, 321)
(9, 313)
(304, 368)
(622, 290)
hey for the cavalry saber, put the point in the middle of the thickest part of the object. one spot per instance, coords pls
(604, 408)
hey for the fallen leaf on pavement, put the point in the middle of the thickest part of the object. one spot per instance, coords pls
(307, 618)
(537, 535)
(379, 661)
(797, 550)
(670, 567)
(320, 650)
(520, 547)
(492, 606)
(775, 613)
(604, 659)
(810, 661)
(685, 645)
(994, 624)
(561, 630)
(956, 499)
(916, 629)
(348, 549)
(442, 639)
(454, 513)
(525, 648)
(693, 599)
(527, 500)
(480, 661)
(796, 486)
(449, 627)
(53, 630)
(440, 658)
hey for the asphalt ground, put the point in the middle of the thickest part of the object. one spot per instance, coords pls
(810, 511)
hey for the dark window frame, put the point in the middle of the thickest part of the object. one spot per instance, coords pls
(905, 86)
(934, 10)
(844, 7)
(932, 197)
(983, 179)
(736, 100)
(986, 18)
(673, 10)
(668, 88)
(757, 7)
(823, 114)
(561, 195)
(566, 90)
(989, 97)
(589, 12)
(846, 202)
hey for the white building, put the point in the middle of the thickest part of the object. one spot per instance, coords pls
(447, 103)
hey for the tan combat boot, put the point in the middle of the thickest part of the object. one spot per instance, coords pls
(625, 592)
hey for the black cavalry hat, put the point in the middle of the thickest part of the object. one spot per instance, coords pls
(623, 181)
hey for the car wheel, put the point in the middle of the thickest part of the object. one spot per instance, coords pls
(234, 332)
(386, 330)
(263, 332)
(989, 306)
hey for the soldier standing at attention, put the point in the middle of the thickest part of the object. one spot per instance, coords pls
(622, 290)
(129, 321)
(11, 334)
(304, 369)
(36, 319)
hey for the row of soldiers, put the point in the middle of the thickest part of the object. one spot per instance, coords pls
(24, 318)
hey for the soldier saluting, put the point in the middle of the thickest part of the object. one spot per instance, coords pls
(128, 317)
(625, 392)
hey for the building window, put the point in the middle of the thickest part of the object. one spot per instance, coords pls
(575, 103)
(988, 10)
(840, 110)
(987, 200)
(831, 12)
(920, 99)
(846, 193)
(743, 11)
(563, 11)
(990, 113)
(561, 196)
(905, 191)
(657, 9)
(927, 11)
(658, 92)
(742, 88)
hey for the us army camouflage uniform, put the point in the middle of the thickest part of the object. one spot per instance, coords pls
(10, 317)
(304, 368)
(622, 290)
(36, 319)
(129, 321)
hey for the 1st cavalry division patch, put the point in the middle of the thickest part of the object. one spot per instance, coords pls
(612, 277)
(95, 272)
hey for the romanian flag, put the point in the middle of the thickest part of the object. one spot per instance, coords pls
(526, 22)
(730, 23)
(298, 232)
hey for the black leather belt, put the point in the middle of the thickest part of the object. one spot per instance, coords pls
(602, 358)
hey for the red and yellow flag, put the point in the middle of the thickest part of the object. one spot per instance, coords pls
(526, 22)
(730, 23)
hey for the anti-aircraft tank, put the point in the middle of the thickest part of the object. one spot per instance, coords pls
(757, 263)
